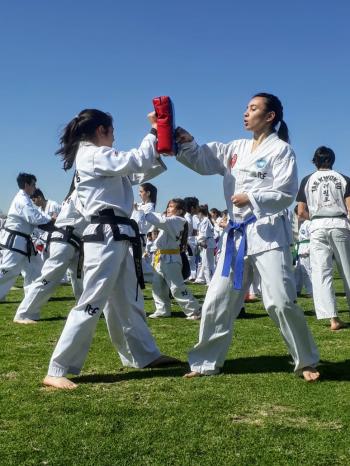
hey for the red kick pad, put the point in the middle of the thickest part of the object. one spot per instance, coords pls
(164, 109)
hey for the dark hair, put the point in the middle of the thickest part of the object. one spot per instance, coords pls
(324, 157)
(152, 191)
(215, 211)
(81, 128)
(203, 209)
(191, 202)
(37, 193)
(180, 205)
(273, 104)
(24, 178)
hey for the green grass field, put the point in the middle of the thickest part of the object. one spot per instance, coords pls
(255, 413)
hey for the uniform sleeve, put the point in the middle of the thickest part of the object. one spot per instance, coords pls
(156, 169)
(109, 162)
(172, 225)
(301, 196)
(33, 215)
(141, 217)
(272, 200)
(208, 159)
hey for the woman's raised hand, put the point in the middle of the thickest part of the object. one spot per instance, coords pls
(153, 119)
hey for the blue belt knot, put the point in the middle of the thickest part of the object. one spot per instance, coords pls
(238, 266)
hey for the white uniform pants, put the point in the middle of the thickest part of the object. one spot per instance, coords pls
(169, 276)
(63, 256)
(222, 305)
(110, 285)
(303, 274)
(13, 263)
(207, 267)
(323, 244)
(192, 259)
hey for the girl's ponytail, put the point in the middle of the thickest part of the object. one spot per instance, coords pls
(283, 132)
(81, 128)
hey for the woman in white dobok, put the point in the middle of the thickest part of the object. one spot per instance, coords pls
(260, 182)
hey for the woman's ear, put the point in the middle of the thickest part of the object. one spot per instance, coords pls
(270, 116)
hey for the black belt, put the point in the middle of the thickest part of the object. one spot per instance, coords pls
(69, 237)
(108, 217)
(11, 239)
(143, 239)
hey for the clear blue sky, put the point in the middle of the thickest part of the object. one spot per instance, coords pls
(59, 57)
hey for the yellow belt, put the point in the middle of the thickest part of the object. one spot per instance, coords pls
(163, 251)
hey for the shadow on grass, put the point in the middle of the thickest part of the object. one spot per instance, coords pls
(174, 315)
(258, 364)
(335, 370)
(53, 319)
(263, 364)
(249, 315)
(309, 313)
(62, 298)
(177, 371)
(10, 302)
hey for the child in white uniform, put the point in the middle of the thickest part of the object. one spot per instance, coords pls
(168, 263)
(207, 244)
(303, 268)
(192, 205)
(148, 195)
(260, 181)
(104, 179)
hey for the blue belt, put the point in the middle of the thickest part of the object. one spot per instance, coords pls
(238, 266)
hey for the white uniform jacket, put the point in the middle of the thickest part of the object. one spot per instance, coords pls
(23, 216)
(104, 177)
(171, 231)
(206, 233)
(71, 216)
(324, 192)
(268, 176)
(51, 208)
(189, 220)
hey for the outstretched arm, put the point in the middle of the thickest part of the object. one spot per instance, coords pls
(208, 159)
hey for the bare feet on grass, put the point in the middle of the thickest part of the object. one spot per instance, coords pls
(338, 324)
(192, 374)
(25, 321)
(59, 382)
(163, 361)
(310, 374)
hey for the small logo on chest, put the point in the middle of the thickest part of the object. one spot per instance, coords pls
(261, 163)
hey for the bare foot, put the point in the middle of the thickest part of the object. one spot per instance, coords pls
(25, 321)
(59, 382)
(337, 324)
(192, 374)
(162, 361)
(310, 374)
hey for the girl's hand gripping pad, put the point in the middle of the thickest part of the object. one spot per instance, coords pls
(164, 109)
